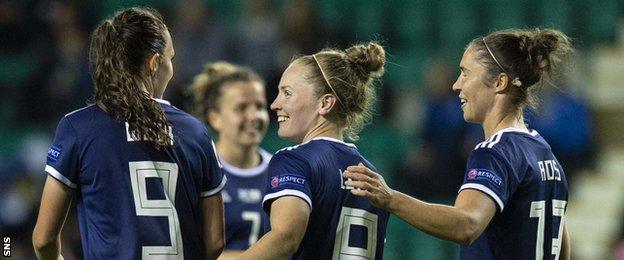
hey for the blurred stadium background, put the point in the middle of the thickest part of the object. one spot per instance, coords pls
(418, 139)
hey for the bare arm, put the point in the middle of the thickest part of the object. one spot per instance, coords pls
(289, 221)
(55, 201)
(230, 254)
(214, 235)
(566, 251)
(461, 223)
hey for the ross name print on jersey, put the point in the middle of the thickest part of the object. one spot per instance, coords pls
(549, 170)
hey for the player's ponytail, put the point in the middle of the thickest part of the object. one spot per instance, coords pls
(350, 75)
(118, 51)
(530, 58)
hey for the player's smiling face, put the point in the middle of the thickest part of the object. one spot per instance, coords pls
(296, 104)
(475, 96)
(242, 118)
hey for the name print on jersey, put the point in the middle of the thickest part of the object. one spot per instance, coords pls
(249, 195)
(549, 170)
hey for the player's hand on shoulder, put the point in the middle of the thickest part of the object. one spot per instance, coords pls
(369, 184)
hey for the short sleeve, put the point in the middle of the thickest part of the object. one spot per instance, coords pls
(489, 173)
(62, 161)
(289, 175)
(213, 178)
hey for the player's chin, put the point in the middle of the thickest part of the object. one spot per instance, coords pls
(283, 133)
(288, 135)
(251, 141)
(468, 118)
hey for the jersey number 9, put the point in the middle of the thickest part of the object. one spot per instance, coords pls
(168, 173)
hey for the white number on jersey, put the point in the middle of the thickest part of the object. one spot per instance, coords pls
(538, 210)
(168, 173)
(254, 217)
(355, 217)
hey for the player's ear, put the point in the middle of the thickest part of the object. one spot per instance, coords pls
(152, 64)
(327, 103)
(214, 119)
(501, 82)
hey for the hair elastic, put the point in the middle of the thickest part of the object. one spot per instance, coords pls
(326, 79)
(516, 81)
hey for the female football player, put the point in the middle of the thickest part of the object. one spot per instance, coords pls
(231, 100)
(322, 98)
(144, 174)
(514, 195)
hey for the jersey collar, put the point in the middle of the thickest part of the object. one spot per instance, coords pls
(249, 172)
(518, 130)
(162, 101)
(332, 140)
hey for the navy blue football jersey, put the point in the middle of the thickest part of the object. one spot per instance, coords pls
(134, 201)
(245, 221)
(341, 225)
(518, 170)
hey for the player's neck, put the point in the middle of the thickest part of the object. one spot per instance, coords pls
(324, 128)
(499, 122)
(241, 157)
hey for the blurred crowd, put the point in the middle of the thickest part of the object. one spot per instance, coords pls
(418, 137)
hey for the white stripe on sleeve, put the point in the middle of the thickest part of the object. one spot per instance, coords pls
(57, 175)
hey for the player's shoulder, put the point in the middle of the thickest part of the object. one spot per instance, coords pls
(512, 145)
(301, 154)
(317, 145)
(80, 113)
(507, 137)
(81, 119)
(182, 120)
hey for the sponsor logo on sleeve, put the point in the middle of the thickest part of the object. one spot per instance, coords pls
(483, 174)
(54, 152)
(288, 179)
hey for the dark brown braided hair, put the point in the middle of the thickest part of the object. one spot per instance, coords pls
(120, 47)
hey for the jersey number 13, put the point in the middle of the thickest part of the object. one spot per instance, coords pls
(538, 210)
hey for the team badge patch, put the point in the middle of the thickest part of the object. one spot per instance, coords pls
(483, 174)
(53, 153)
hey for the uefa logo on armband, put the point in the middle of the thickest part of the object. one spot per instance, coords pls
(472, 174)
(275, 182)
